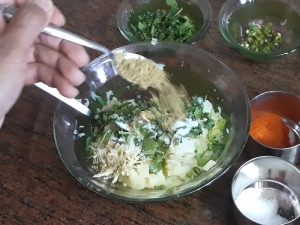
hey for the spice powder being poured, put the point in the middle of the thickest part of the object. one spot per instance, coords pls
(147, 74)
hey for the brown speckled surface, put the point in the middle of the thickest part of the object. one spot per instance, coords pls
(35, 187)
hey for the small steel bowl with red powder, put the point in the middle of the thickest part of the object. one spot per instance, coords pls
(275, 126)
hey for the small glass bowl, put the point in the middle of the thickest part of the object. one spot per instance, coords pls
(128, 7)
(236, 16)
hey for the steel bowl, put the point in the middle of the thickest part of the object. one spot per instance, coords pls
(287, 106)
(266, 191)
(200, 72)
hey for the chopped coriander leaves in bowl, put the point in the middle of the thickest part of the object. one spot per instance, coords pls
(261, 29)
(183, 21)
(135, 144)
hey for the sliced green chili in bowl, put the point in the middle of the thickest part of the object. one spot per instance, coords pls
(262, 38)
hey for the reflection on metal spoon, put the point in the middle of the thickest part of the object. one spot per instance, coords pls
(71, 102)
(294, 134)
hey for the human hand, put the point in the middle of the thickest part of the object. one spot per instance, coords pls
(27, 57)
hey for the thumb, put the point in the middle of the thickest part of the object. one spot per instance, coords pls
(27, 24)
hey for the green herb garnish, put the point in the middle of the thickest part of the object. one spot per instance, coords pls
(165, 25)
(157, 164)
(196, 171)
(128, 143)
(262, 38)
(160, 187)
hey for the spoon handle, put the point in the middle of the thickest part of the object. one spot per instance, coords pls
(69, 36)
(9, 12)
(75, 104)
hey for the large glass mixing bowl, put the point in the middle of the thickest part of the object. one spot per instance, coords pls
(201, 73)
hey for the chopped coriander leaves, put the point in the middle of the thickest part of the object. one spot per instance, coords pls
(164, 24)
(157, 163)
(150, 146)
(172, 4)
(195, 172)
(129, 144)
(160, 187)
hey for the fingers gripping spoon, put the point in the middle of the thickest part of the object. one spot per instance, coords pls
(9, 12)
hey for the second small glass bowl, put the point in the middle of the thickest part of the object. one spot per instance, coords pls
(128, 7)
(236, 16)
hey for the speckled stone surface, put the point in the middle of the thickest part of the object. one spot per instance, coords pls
(36, 188)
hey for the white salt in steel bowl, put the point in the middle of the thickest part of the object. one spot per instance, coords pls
(266, 191)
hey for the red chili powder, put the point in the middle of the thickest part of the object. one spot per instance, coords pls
(269, 129)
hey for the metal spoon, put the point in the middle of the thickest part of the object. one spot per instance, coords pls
(294, 131)
(9, 12)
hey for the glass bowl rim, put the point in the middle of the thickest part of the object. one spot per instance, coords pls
(92, 186)
(194, 39)
(236, 45)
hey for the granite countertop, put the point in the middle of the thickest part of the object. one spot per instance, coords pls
(36, 188)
